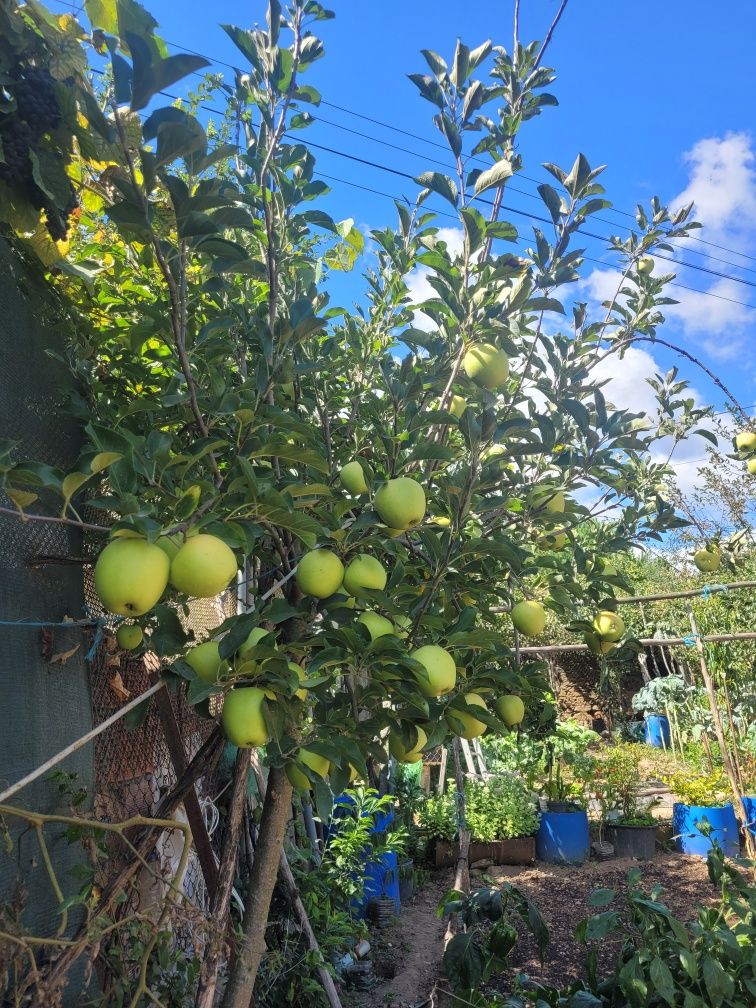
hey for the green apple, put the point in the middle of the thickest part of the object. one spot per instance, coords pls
(403, 755)
(493, 452)
(597, 645)
(318, 764)
(320, 573)
(529, 617)
(751, 466)
(130, 576)
(203, 566)
(646, 265)
(364, 572)
(206, 661)
(608, 625)
(352, 478)
(708, 559)
(486, 365)
(457, 406)
(440, 671)
(400, 503)
(129, 636)
(607, 569)
(555, 503)
(553, 541)
(243, 719)
(510, 709)
(254, 638)
(745, 441)
(472, 728)
(378, 626)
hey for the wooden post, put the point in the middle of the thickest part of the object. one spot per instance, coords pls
(465, 746)
(200, 837)
(719, 731)
(441, 783)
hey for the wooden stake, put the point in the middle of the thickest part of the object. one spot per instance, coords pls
(719, 731)
(441, 783)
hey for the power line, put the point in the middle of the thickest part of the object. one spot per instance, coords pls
(504, 206)
(434, 143)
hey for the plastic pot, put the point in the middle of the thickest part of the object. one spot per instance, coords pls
(690, 840)
(406, 881)
(563, 838)
(656, 732)
(632, 841)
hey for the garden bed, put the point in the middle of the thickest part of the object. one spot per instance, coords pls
(517, 851)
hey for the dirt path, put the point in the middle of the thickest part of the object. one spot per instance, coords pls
(406, 955)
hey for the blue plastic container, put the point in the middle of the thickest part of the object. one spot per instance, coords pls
(657, 732)
(750, 809)
(563, 838)
(690, 840)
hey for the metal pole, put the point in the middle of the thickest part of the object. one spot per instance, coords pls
(666, 641)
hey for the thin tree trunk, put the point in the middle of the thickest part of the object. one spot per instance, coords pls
(222, 900)
(462, 871)
(262, 879)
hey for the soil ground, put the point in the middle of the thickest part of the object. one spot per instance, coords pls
(407, 954)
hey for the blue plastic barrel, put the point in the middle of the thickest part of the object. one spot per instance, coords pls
(382, 875)
(750, 810)
(563, 838)
(657, 731)
(690, 840)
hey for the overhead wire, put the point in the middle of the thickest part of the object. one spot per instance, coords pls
(437, 144)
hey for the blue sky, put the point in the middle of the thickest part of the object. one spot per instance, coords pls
(660, 92)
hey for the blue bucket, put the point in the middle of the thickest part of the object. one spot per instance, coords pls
(657, 732)
(563, 838)
(690, 840)
(749, 804)
(381, 876)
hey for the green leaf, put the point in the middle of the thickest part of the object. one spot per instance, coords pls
(435, 62)
(494, 176)
(71, 484)
(286, 452)
(662, 980)
(601, 897)
(188, 503)
(461, 65)
(601, 925)
(21, 498)
(153, 75)
(689, 963)
(553, 201)
(718, 982)
(475, 228)
(440, 184)
(104, 459)
(464, 961)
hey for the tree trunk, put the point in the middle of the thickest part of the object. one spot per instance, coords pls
(222, 899)
(262, 879)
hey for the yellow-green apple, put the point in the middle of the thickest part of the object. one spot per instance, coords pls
(553, 541)
(206, 661)
(440, 675)
(607, 568)
(254, 638)
(352, 478)
(472, 728)
(130, 576)
(597, 645)
(529, 617)
(457, 406)
(129, 636)
(363, 573)
(203, 566)
(400, 752)
(486, 365)
(751, 466)
(608, 625)
(510, 709)
(708, 559)
(318, 764)
(646, 265)
(745, 441)
(555, 503)
(377, 625)
(243, 718)
(400, 503)
(320, 573)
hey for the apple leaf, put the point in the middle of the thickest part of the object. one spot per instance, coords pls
(21, 498)
(104, 459)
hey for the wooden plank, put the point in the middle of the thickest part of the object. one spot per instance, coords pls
(200, 836)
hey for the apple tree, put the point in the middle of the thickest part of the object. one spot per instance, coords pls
(382, 477)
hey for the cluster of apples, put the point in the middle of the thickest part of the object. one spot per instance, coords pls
(131, 574)
(745, 443)
(608, 628)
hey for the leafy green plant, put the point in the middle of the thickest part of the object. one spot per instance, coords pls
(616, 783)
(497, 809)
(482, 948)
(694, 788)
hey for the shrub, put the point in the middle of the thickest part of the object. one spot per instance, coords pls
(697, 788)
(498, 809)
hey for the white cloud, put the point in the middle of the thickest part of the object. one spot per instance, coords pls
(417, 279)
(722, 188)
